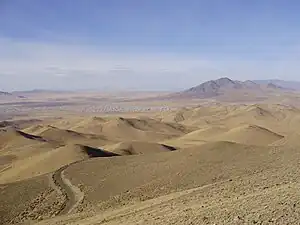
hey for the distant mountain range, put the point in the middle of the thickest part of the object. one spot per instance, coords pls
(3, 93)
(214, 88)
(7, 95)
(40, 91)
(208, 89)
(292, 85)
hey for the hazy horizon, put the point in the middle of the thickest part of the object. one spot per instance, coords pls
(142, 89)
(139, 45)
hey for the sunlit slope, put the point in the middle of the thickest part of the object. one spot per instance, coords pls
(138, 147)
(149, 175)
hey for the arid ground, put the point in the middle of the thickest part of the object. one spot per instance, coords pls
(142, 158)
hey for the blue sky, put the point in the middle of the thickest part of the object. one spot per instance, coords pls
(152, 45)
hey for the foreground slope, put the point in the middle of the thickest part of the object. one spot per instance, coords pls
(49, 161)
(214, 183)
(147, 176)
(29, 200)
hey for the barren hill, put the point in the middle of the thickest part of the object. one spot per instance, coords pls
(214, 163)
(249, 134)
(10, 138)
(226, 86)
(190, 185)
(212, 88)
(139, 129)
(138, 147)
(215, 88)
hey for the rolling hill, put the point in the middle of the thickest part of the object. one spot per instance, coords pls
(210, 163)
(137, 148)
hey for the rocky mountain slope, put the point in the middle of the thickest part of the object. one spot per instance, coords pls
(223, 86)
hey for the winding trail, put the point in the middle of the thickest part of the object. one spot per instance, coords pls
(74, 196)
(117, 216)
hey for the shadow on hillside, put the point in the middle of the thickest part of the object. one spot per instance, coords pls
(30, 136)
(171, 148)
(96, 152)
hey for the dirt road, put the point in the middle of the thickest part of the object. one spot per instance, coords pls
(74, 196)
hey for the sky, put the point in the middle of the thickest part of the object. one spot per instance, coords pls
(145, 45)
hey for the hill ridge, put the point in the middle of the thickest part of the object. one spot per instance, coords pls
(219, 87)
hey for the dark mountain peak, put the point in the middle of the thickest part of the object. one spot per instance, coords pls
(206, 86)
(214, 88)
(224, 81)
(215, 85)
(226, 87)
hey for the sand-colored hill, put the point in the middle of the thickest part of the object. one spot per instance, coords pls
(62, 136)
(18, 144)
(194, 114)
(89, 125)
(213, 163)
(29, 200)
(204, 133)
(249, 134)
(195, 183)
(20, 124)
(35, 129)
(15, 138)
(138, 147)
(131, 128)
(197, 137)
(276, 117)
(171, 170)
(257, 112)
(291, 140)
(49, 161)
